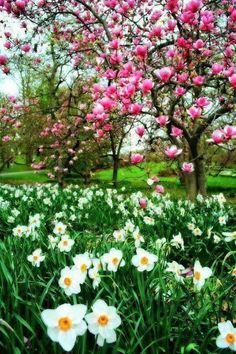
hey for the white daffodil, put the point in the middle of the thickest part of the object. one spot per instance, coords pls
(103, 321)
(177, 269)
(200, 274)
(149, 221)
(52, 241)
(144, 260)
(119, 235)
(59, 228)
(65, 323)
(95, 276)
(36, 257)
(222, 220)
(113, 260)
(65, 244)
(82, 263)
(137, 237)
(229, 236)
(197, 231)
(69, 281)
(177, 241)
(227, 337)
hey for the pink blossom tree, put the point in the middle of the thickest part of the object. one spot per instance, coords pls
(170, 61)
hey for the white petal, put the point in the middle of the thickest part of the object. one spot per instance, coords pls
(78, 313)
(225, 327)
(99, 307)
(50, 318)
(135, 261)
(81, 328)
(100, 341)
(67, 339)
(112, 337)
(221, 343)
(53, 333)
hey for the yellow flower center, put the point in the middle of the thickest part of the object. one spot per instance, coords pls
(103, 320)
(35, 258)
(230, 338)
(115, 260)
(67, 281)
(65, 242)
(234, 271)
(59, 229)
(83, 268)
(197, 275)
(64, 324)
(144, 260)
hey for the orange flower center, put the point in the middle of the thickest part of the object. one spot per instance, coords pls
(64, 324)
(83, 268)
(115, 260)
(67, 281)
(103, 320)
(230, 338)
(197, 275)
(144, 260)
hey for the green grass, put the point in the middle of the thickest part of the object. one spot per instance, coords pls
(132, 177)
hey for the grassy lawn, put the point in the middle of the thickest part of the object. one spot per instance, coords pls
(132, 177)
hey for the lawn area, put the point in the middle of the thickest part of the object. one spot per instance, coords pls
(132, 177)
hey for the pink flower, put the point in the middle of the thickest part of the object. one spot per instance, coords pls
(135, 108)
(187, 167)
(141, 51)
(195, 112)
(3, 59)
(229, 132)
(232, 80)
(216, 69)
(160, 189)
(6, 138)
(173, 151)
(162, 120)
(176, 132)
(146, 86)
(140, 131)
(26, 48)
(136, 158)
(20, 4)
(199, 44)
(217, 137)
(143, 203)
(202, 102)
(165, 73)
(180, 91)
(198, 80)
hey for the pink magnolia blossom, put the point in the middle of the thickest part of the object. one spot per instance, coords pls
(173, 151)
(136, 158)
(6, 138)
(141, 51)
(187, 167)
(135, 108)
(160, 189)
(165, 73)
(229, 132)
(140, 131)
(232, 80)
(162, 120)
(216, 68)
(217, 137)
(195, 112)
(176, 132)
(180, 91)
(202, 102)
(198, 80)
(26, 48)
(20, 4)
(146, 86)
(199, 44)
(143, 203)
(3, 59)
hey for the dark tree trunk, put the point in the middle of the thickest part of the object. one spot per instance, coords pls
(29, 157)
(115, 171)
(196, 182)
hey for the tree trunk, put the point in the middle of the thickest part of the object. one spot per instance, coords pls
(115, 171)
(196, 182)
(29, 157)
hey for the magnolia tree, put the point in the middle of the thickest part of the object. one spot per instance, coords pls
(170, 61)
